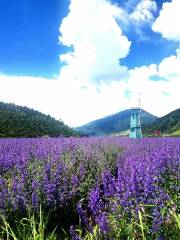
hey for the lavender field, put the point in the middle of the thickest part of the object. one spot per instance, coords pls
(91, 188)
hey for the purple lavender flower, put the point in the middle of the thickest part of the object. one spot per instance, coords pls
(74, 235)
(103, 223)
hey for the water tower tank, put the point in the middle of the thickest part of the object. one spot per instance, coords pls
(135, 124)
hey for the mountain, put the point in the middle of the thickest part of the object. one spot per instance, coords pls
(168, 124)
(114, 124)
(17, 121)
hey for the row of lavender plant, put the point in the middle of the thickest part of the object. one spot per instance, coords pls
(141, 200)
(121, 189)
(54, 173)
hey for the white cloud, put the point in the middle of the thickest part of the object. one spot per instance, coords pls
(158, 97)
(143, 12)
(136, 16)
(38, 93)
(168, 25)
(168, 21)
(76, 105)
(169, 67)
(98, 43)
(63, 99)
(137, 13)
(97, 40)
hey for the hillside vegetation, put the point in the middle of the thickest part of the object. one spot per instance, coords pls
(114, 124)
(168, 124)
(16, 121)
(118, 124)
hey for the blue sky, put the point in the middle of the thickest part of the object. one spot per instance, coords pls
(57, 45)
(29, 38)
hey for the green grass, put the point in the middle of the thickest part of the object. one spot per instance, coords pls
(176, 133)
(30, 228)
(122, 133)
(135, 229)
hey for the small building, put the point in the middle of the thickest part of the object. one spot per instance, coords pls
(135, 124)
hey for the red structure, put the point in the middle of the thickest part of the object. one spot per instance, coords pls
(157, 132)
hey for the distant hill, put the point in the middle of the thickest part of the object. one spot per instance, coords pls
(114, 124)
(168, 124)
(16, 121)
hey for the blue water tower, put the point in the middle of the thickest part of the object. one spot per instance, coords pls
(135, 124)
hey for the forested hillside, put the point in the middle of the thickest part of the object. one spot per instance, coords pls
(169, 124)
(16, 121)
(114, 124)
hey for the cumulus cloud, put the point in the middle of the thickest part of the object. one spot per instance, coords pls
(76, 105)
(63, 99)
(38, 93)
(136, 16)
(170, 67)
(143, 12)
(98, 43)
(158, 97)
(91, 30)
(92, 83)
(168, 21)
(137, 13)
